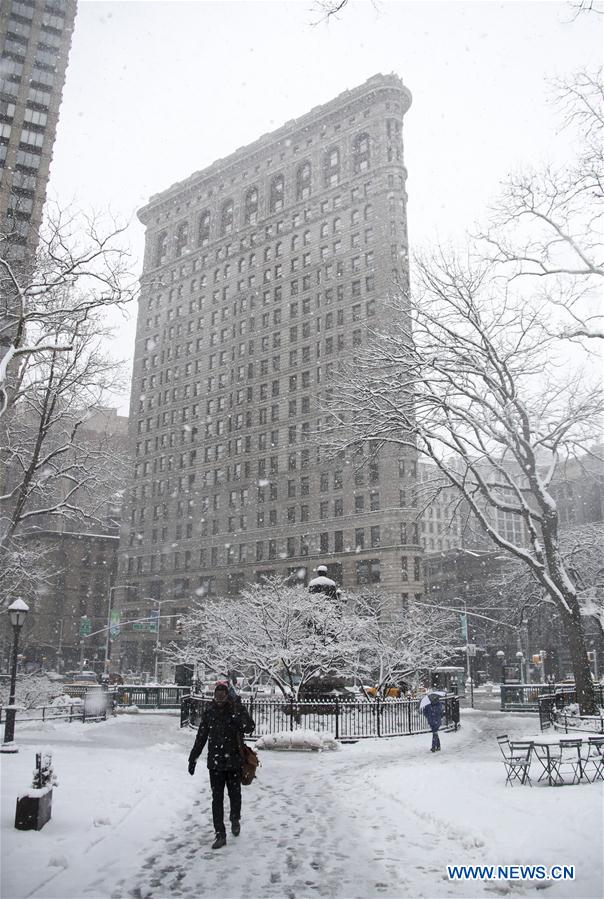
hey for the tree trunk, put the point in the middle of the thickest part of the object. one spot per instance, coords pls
(573, 624)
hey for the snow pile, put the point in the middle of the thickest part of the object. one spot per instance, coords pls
(127, 709)
(65, 701)
(298, 740)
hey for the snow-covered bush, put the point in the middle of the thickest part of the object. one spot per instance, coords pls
(298, 740)
(32, 691)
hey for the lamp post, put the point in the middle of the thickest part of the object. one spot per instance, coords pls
(159, 604)
(109, 611)
(17, 612)
(501, 656)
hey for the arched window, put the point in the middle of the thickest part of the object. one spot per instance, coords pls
(226, 217)
(360, 153)
(331, 167)
(303, 176)
(250, 214)
(276, 193)
(161, 248)
(203, 238)
(182, 238)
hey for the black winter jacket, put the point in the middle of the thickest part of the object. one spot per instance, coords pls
(222, 728)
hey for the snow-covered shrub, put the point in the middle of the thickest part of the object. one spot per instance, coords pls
(32, 691)
(64, 701)
(298, 740)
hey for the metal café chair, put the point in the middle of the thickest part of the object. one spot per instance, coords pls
(594, 757)
(549, 755)
(504, 744)
(517, 762)
(570, 757)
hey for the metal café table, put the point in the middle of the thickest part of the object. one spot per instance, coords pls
(554, 752)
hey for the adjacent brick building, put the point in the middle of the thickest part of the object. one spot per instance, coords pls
(33, 62)
(261, 273)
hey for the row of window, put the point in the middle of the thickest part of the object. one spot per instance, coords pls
(411, 568)
(253, 240)
(205, 230)
(332, 173)
(175, 351)
(270, 518)
(12, 70)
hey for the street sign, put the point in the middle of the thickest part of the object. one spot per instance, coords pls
(471, 650)
(463, 626)
(85, 626)
(114, 624)
(154, 621)
(140, 626)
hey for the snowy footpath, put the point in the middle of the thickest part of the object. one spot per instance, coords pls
(381, 818)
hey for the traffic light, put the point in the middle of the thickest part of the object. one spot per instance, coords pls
(179, 630)
(591, 655)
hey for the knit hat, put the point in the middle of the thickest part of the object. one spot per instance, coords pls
(221, 685)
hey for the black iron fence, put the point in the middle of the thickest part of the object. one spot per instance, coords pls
(150, 697)
(159, 697)
(554, 711)
(344, 720)
(525, 697)
(75, 712)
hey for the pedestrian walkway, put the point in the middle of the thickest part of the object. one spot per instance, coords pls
(373, 819)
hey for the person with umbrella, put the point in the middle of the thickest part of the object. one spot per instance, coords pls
(432, 708)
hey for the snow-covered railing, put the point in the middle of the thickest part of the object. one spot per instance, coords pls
(561, 711)
(145, 697)
(142, 696)
(73, 712)
(526, 697)
(345, 720)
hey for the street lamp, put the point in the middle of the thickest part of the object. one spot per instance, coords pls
(159, 603)
(17, 612)
(501, 656)
(520, 657)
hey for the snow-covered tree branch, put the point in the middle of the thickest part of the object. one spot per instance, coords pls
(57, 374)
(293, 637)
(548, 222)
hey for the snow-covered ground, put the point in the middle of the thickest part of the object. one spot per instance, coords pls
(378, 818)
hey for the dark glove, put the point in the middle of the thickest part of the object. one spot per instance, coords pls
(192, 766)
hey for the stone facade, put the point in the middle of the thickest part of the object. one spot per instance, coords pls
(261, 273)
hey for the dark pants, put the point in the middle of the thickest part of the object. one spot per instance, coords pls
(231, 778)
(435, 740)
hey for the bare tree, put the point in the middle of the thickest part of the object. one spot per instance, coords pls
(485, 370)
(79, 269)
(582, 549)
(547, 224)
(57, 373)
(327, 10)
(395, 643)
(292, 637)
(468, 373)
(276, 630)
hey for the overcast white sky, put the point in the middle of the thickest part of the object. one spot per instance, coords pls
(158, 90)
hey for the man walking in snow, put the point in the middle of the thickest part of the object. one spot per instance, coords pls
(222, 726)
(433, 711)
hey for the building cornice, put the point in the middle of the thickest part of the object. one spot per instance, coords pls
(220, 168)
